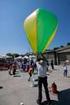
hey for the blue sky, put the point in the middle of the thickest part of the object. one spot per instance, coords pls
(12, 15)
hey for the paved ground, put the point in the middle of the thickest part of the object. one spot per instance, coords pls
(17, 89)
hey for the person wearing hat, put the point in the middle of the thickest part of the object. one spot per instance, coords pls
(42, 79)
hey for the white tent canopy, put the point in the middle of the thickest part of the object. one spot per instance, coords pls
(25, 57)
(20, 57)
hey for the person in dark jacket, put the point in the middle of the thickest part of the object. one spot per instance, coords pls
(52, 64)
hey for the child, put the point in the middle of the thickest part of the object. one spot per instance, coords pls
(14, 68)
(30, 73)
(10, 69)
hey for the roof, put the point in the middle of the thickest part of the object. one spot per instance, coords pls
(63, 49)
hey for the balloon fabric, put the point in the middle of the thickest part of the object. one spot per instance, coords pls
(40, 27)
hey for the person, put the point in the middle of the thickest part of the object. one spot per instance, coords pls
(14, 68)
(52, 64)
(10, 69)
(42, 79)
(30, 72)
(32, 64)
(47, 64)
(65, 70)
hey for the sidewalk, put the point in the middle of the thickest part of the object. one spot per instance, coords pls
(17, 89)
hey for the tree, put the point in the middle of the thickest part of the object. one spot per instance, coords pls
(15, 55)
(56, 48)
(12, 55)
(9, 54)
(61, 46)
(68, 43)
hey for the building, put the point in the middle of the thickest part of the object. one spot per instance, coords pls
(59, 55)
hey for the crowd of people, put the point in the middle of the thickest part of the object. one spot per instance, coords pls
(29, 66)
(24, 66)
(41, 65)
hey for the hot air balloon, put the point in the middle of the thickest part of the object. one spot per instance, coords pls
(40, 27)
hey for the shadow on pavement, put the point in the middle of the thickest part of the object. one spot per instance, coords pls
(35, 85)
(1, 87)
(17, 75)
(64, 97)
(52, 103)
(36, 79)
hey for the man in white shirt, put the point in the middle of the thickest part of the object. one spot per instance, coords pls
(42, 79)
